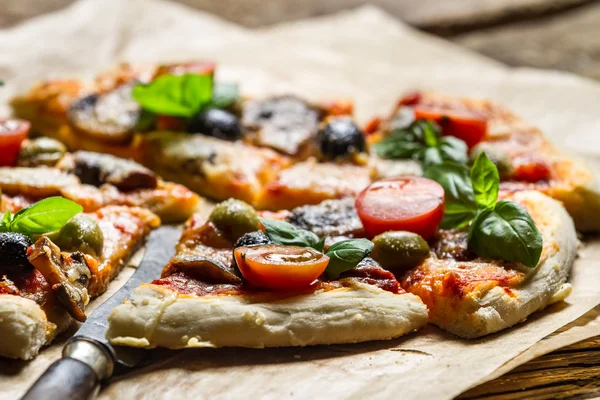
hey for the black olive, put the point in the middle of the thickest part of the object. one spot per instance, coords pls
(13, 252)
(253, 239)
(339, 138)
(217, 123)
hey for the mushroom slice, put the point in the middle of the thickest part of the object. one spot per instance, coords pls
(67, 274)
(285, 123)
(97, 169)
(110, 117)
(329, 218)
(200, 263)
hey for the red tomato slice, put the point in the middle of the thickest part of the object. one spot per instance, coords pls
(275, 266)
(531, 170)
(401, 204)
(12, 134)
(466, 126)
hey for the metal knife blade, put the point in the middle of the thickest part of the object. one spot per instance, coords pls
(88, 358)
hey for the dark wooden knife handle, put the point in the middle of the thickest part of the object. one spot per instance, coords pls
(67, 379)
(85, 364)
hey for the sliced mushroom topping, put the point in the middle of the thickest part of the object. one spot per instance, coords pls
(200, 264)
(67, 274)
(331, 217)
(109, 117)
(97, 169)
(284, 123)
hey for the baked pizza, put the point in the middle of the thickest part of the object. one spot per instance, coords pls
(344, 270)
(92, 180)
(282, 152)
(53, 259)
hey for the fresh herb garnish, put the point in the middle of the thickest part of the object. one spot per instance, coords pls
(422, 141)
(500, 230)
(282, 232)
(184, 95)
(45, 216)
(346, 255)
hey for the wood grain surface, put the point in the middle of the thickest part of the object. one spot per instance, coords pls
(558, 34)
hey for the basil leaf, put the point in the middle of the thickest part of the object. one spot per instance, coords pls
(453, 149)
(5, 222)
(506, 232)
(45, 216)
(224, 94)
(460, 200)
(175, 95)
(346, 255)
(396, 146)
(485, 180)
(320, 244)
(287, 234)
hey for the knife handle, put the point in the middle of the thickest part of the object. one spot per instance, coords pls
(77, 375)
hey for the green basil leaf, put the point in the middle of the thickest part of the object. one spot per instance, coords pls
(45, 216)
(430, 156)
(346, 255)
(320, 244)
(453, 149)
(485, 181)
(282, 232)
(175, 95)
(397, 146)
(224, 94)
(508, 233)
(460, 200)
(5, 222)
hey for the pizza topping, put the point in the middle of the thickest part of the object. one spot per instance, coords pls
(253, 239)
(370, 272)
(13, 252)
(499, 230)
(199, 265)
(80, 233)
(422, 141)
(346, 255)
(234, 218)
(340, 137)
(35, 182)
(496, 155)
(42, 151)
(402, 204)
(465, 125)
(45, 216)
(217, 123)
(67, 274)
(284, 123)
(280, 267)
(399, 251)
(97, 169)
(192, 67)
(284, 233)
(531, 169)
(12, 134)
(452, 244)
(109, 117)
(330, 217)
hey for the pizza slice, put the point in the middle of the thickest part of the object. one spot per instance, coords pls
(525, 158)
(94, 180)
(271, 295)
(48, 277)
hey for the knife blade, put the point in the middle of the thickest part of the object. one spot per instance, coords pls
(88, 358)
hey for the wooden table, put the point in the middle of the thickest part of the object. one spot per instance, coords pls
(558, 34)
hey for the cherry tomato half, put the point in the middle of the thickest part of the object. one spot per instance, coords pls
(280, 267)
(469, 127)
(531, 169)
(12, 134)
(401, 204)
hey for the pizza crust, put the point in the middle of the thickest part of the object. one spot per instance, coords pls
(25, 327)
(156, 316)
(483, 311)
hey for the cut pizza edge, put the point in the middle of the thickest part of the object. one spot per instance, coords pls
(31, 309)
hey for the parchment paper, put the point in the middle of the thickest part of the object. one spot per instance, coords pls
(365, 55)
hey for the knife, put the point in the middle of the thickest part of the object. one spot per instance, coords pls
(88, 359)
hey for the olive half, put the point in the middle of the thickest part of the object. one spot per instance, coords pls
(80, 233)
(217, 123)
(398, 251)
(42, 151)
(13, 252)
(340, 137)
(234, 218)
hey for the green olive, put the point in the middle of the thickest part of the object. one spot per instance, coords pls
(41, 151)
(235, 218)
(496, 155)
(80, 233)
(398, 251)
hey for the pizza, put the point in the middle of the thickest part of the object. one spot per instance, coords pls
(53, 260)
(282, 151)
(202, 299)
(92, 180)
(480, 259)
